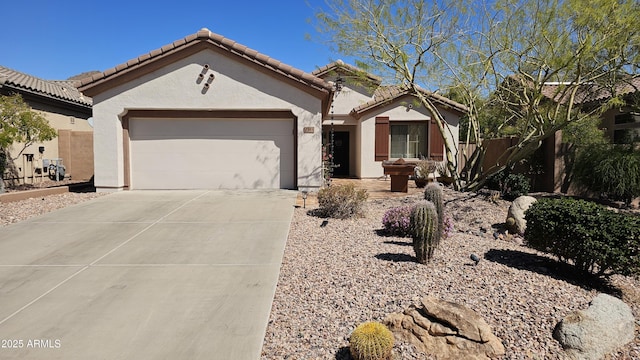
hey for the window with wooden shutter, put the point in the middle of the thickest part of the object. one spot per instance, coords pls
(436, 142)
(382, 139)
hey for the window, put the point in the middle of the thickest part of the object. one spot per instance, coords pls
(626, 128)
(408, 140)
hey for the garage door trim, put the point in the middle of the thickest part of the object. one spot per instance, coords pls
(128, 114)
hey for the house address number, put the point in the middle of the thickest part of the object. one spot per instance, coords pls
(308, 129)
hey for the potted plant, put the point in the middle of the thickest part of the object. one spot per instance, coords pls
(443, 173)
(422, 170)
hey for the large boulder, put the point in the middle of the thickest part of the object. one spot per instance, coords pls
(446, 330)
(605, 326)
(516, 223)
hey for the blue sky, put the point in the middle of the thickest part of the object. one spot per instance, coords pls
(56, 39)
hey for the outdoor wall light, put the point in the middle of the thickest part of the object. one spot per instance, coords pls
(211, 77)
(206, 85)
(206, 67)
(338, 83)
(304, 199)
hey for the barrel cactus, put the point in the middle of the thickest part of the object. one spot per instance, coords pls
(426, 231)
(433, 193)
(371, 341)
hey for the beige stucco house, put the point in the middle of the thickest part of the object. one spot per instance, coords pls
(371, 123)
(68, 111)
(207, 112)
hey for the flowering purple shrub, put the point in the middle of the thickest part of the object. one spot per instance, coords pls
(448, 227)
(397, 221)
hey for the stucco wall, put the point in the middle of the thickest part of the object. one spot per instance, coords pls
(397, 111)
(236, 86)
(349, 97)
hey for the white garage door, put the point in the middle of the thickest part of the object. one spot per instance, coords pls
(212, 154)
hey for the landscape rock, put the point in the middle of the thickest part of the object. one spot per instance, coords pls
(445, 330)
(605, 326)
(515, 216)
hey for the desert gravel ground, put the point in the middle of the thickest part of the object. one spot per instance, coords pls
(335, 277)
(16, 211)
(347, 272)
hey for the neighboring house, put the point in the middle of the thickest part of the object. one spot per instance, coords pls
(372, 123)
(554, 157)
(67, 111)
(621, 124)
(207, 112)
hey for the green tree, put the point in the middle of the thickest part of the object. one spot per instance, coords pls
(19, 124)
(397, 39)
(498, 57)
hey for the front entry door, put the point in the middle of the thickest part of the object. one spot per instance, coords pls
(341, 153)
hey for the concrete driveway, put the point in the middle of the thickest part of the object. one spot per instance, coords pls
(144, 275)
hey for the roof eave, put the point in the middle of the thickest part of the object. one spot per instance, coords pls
(338, 66)
(362, 109)
(21, 89)
(190, 45)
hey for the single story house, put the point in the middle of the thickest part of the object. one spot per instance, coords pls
(68, 111)
(207, 112)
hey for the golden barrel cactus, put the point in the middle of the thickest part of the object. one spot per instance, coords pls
(371, 341)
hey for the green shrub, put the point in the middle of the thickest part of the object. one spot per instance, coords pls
(594, 238)
(612, 171)
(510, 185)
(341, 201)
(426, 233)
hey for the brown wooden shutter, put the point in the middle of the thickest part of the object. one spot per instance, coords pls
(382, 138)
(436, 142)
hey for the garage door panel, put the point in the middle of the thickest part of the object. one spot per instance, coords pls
(189, 154)
(210, 128)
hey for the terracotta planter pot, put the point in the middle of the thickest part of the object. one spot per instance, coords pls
(445, 179)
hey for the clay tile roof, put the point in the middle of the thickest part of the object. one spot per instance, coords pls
(204, 35)
(340, 67)
(388, 93)
(64, 90)
(590, 93)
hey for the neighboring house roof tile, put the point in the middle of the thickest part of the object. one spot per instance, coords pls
(57, 89)
(588, 93)
(204, 35)
(386, 94)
